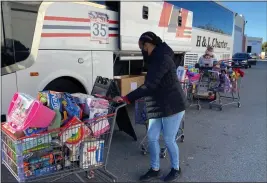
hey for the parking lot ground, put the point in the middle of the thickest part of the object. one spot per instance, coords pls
(220, 146)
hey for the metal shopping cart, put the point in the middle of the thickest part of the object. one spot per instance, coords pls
(198, 88)
(140, 118)
(228, 83)
(80, 147)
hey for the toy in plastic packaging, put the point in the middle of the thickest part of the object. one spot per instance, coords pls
(50, 99)
(71, 107)
(92, 153)
(98, 107)
(73, 132)
(181, 73)
(43, 164)
(53, 100)
(80, 99)
(72, 135)
(225, 83)
(25, 112)
(33, 131)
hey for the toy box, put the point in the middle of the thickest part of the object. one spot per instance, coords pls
(92, 153)
(29, 157)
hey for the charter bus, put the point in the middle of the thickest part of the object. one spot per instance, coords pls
(64, 46)
(213, 25)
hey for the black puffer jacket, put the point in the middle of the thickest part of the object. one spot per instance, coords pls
(162, 91)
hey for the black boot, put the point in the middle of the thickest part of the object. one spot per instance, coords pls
(173, 175)
(151, 174)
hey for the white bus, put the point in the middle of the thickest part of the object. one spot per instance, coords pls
(64, 46)
(213, 25)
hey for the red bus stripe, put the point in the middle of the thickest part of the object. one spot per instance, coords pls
(113, 21)
(71, 35)
(165, 15)
(113, 35)
(67, 19)
(71, 19)
(65, 35)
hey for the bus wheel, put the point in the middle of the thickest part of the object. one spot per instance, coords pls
(66, 84)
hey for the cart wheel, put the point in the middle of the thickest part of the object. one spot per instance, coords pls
(182, 138)
(220, 108)
(90, 174)
(144, 152)
(163, 152)
(198, 107)
(238, 105)
(163, 155)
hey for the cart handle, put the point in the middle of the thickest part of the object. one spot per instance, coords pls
(110, 99)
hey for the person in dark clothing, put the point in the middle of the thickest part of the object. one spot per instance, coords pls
(165, 103)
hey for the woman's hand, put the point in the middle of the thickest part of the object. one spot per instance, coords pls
(118, 99)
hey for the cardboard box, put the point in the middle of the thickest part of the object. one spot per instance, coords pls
(128, 83)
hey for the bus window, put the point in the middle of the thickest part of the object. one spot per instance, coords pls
(215, 18)
(23, 19)
(7, 51)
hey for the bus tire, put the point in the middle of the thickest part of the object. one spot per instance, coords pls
(66, 84)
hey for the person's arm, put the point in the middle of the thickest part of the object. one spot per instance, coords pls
(155, 74)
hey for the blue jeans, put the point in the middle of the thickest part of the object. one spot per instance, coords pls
(170, 126)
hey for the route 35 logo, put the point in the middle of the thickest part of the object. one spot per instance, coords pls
(99, 26)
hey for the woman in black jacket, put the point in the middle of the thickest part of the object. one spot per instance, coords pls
(165, 103)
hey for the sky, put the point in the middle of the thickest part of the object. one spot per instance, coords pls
(256, 15)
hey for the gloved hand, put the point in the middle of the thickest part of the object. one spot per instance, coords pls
(119, 99)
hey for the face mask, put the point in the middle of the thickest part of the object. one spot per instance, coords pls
(145, 54)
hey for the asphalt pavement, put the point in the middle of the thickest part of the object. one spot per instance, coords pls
(219, 146)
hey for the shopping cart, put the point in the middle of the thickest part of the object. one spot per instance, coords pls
(80, 147)
(140, 118)
(228, 83)
(198, 87)
(191, 91)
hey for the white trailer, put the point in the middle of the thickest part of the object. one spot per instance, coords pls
(64, 46)
(213, 24)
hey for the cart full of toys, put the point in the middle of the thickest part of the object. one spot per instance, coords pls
(195, 82)
(56, 135)
(227, 81)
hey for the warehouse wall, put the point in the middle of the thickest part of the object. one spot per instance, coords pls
(238, 34)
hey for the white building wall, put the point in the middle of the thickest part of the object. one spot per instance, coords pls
(255, 43)
(238, 33)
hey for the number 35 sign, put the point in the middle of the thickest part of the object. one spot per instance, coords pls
(99, 27)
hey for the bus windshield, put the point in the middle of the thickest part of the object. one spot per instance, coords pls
(18, 20)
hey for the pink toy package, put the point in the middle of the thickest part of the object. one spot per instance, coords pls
(25, 111)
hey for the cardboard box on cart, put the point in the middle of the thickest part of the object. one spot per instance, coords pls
(128, 83)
